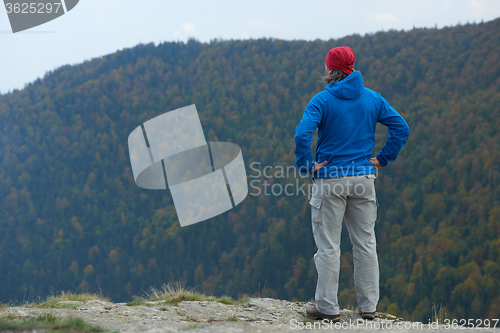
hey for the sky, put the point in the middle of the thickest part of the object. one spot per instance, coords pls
(98, 27)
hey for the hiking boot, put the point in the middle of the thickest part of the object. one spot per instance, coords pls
(367, 315)
(315, 314)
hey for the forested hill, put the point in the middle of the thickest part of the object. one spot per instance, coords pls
(72, 217)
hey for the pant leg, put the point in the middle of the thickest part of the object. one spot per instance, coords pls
(360, 216)
(327, 211)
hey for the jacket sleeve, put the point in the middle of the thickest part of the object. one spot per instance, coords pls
(303, 136)
(398, 133)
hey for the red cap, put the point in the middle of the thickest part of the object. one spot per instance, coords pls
(340, 58)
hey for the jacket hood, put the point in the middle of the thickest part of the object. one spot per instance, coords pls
(349, 88)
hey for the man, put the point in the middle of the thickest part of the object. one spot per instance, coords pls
(346, 114)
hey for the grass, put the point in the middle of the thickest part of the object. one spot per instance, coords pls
(173, 294)
(51, 322)
(53, 300)
(190, 327)
(136, 302)
(233, 318)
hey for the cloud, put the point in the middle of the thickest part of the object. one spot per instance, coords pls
(382, 17)
(189, 29)
(185, 31)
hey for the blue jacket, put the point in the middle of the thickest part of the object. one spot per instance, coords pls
(346, 114)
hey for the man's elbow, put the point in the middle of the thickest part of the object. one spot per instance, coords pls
(405, 133)
(301, 137)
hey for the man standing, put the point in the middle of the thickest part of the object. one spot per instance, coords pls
(346, 114)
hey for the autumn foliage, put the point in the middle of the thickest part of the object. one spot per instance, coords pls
(72, 217)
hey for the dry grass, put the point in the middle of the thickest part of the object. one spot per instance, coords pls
(173, 294)
(53, 300)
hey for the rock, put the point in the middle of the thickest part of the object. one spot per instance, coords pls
(21, 313)
(96, 305)
(69, 303)
(256, 315)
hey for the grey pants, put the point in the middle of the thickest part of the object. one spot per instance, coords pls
(352, 199)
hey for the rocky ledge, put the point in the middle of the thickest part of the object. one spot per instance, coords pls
(256, 315)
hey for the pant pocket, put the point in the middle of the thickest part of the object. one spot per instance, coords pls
(316, 214)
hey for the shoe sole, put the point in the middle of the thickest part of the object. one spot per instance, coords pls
(333, 320)
(367, 316)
